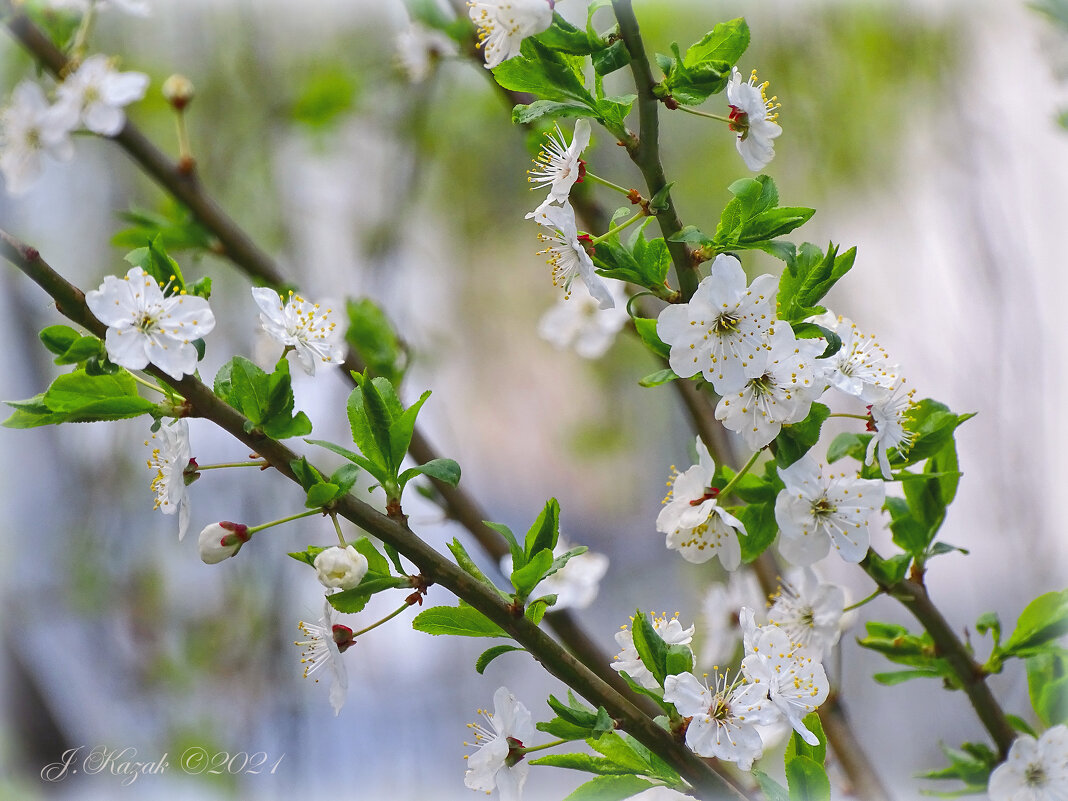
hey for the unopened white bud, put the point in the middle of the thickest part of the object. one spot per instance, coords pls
(339, 567)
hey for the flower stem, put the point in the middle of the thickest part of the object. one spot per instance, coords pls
(221, 465)
(707, 114)
(853, 416)
(185, 152)
(729, 488)
(529, 749)
(617, 229)
(859, 604)
(254, 529)
(598, 180)
(148, 384)
(77, 49)
(337, 528)
(386, 619)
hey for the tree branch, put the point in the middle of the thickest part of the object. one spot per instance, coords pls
(913, 596)
(645, 152)
(435, 567)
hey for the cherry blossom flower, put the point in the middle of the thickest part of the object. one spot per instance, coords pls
(1036, 770)
(819, 508)
(498, 762)
(627, 660)
(220, 541)
(860, 364)
(170, 460)
(809, 611)
(753, 117)
(144, 325)
(567, 256)
(721, 329)
(305, 327)
(578, 321)
(29, 127)
(794, 680)
(418, 47)
(723, 718)
(96, 93)
(722, 605)
(559, 165)
(888, 419)
(504, 24)
(326, 641)
(340, 568)
(695, 524)
(780, 386)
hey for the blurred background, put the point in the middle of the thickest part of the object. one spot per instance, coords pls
(925, 133)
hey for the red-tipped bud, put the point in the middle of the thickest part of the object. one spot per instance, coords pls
(222, 540)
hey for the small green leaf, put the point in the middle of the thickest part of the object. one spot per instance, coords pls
(651, 648)
(376, 563)
(658, 378)
(614, 57)
(59, 338)
(445, 470)
(609, 788)
(760, 527)
(797, 747)
(646, 328)
(795, 440)
(545, 531)
(321, 494)
(544, 73)
(807, 780)
(1043, 620)
(771, 788)
(400, 431)
(527, 577)
(519, 557)
(526, 114)
(490, 654)
(847, 444)
(613, 746)
(461, 621)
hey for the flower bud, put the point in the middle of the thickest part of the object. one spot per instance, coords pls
(178, 90)
(222, 540)
(340, 567)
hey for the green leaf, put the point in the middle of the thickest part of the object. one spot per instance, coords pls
(808, 281)
(797, 747)
(244, 386)
(527, 577)
(461, 621)
(646, 328)
(278, 420)
(609, 788)
(585, 762)
(901, 676)
(321, 494)
(362, 434)
(80, 397)
(371, 335)
(490, 654)
(466, 563)
(400, 431)
(545, 531)
(563, 36)
(679, 659)
(545, 73)
(807, 780)
(614, 57)
(175, 227)
(971, 764)
(380, 418)
(307, 475)
(760, 527)
(795, 440)
(375, 561)
(888, 571)
(726, 42)
(356, 458)
(909, 533)
(658, 378)
(354, 600)
(154, 260)
(771, 788)
(526, 114)
(445, 470)
(519, 556)
(1043, 620)
(651, 648)
(613, 112)
(59, 338)
(613, 746)
(848, 444)
(989, 621)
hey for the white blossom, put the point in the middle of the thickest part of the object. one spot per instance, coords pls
(753, 117)
(809, 611)
(559, 165)
(819, 508)
(170, 460)
(1036, 770)
(566, 254)
(888, 423)
(860, 364)
(579, 322)
(326, 640)
(220, 541)
(340, 568)
(510, 727)
(721, 607)
(627, 660)
(793, 678)
(723, 718)
(504, 24)
(417, 47)
(96, 94)
(695, 524)
(306, 327)
(29, 127)
(146, 326)
(721, 329)
(780, 387)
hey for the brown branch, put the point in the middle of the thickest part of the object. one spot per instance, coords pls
(434, 567)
